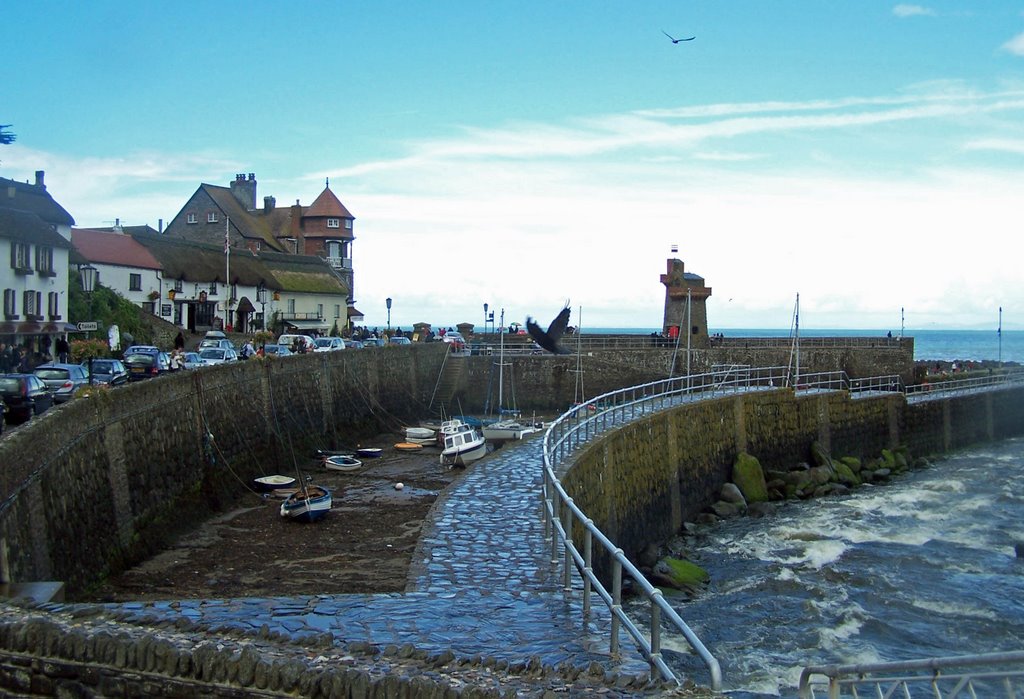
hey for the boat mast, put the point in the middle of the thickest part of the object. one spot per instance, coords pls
(579, 396)
(501, 361)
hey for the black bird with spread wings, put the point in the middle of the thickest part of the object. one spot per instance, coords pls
(549, 340)
(675, 40)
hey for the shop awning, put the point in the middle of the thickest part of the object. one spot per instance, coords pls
(354, 313)
(307, 324)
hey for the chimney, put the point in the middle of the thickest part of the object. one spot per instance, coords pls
(39, 179)
(268, 204)
(160, 225)
(245, 190)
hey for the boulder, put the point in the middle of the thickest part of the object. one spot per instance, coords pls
(726, 509)
(732, 494)
(749, 478)
(679, 573)
(819, 456)
(846, 474)
(851, 462)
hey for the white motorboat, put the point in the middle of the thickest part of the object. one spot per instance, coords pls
(462, 447)
(420, 435)
(504, 430)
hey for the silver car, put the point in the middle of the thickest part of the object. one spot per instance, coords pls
(217, 355)
(62, 380)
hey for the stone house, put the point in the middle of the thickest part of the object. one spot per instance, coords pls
(229, 216)
(35, 249)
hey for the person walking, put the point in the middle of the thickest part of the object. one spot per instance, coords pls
(63, 350)
(179, 341)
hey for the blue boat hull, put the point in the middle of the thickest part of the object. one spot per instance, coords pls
(301, 508)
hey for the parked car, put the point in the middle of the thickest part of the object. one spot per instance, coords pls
(24, 395)
(109, 372)
(191, 360)
(217, 355)
(216, 343)
(454, 338)
(373, 342)
(62, 379)
(276, 351)
(399, 341)
(329, 344)
(294, 342)
(146, 364)
(145, 349)
(353, 344)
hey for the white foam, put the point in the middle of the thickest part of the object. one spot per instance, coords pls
(953, 608)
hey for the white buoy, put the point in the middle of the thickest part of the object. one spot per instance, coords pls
(399, 486)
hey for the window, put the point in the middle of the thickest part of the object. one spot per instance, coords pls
(31, 304)
(135, 282)
(348, 223)
(337, 310)
(319, 310)
(10, 304)
(19, 257)
(192, 218)
(211, 217)
(177, 285)
(213, 288)
(291, 307)
(333, 223)
(53, 302)
(44, 261)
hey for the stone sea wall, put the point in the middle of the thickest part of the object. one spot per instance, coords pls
(106, 480)
(640, 482)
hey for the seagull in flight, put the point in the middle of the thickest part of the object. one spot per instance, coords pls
(675, 40)
(549, 340)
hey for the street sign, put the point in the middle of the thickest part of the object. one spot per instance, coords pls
(88, 325)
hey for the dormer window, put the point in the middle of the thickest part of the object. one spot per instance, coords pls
(192, 218)
(348, 224)
(333, 223)
(211, 217)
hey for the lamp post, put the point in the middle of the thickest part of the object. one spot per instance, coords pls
(261, 298)
(387, 302)
(485, 317)
(89, 274)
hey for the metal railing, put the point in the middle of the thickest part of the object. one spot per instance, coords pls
(937, 389)
(588, 342)
(574, 429)
(989, 675)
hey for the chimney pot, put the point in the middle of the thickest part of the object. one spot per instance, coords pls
(39, 179)
(268, 204)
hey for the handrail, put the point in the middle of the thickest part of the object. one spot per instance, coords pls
(585, 421)
(578, 426)
(886, 678)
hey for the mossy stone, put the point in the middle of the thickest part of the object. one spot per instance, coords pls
(749, 478)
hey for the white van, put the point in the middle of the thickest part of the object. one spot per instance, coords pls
(296, 342)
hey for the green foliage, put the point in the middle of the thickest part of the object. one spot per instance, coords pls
(334, 330)
(81, 350)
(263, 337)
(107, 308)
(684, 573)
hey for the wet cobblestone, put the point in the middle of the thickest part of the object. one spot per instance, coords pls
(481, 584)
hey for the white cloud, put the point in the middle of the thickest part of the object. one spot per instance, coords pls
(1015, 45)
(912, 11)
(1004, 145)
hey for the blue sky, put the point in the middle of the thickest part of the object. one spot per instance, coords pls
(866, 155)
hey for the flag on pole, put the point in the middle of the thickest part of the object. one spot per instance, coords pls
(227, 239)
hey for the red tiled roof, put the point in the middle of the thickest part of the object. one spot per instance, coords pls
(112, 249)
(327, 205)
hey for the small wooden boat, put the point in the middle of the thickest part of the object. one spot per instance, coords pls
(265, 484)
(408, 446)
(342, 462)
(369, 452)
(307, 504)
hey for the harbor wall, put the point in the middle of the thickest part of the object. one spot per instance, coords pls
(106, 480)
(642, 481)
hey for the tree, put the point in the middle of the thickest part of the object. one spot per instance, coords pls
(6, 137)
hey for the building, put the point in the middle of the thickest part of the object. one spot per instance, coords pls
(121, 263)
(229, 216)
(685, 304)
(35, 245)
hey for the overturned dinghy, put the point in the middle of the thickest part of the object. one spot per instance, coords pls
(420, 435)
(265, 484)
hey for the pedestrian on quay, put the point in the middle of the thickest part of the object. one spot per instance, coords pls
(63, 350)
(179, 341)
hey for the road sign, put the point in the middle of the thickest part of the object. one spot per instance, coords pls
(88, 325)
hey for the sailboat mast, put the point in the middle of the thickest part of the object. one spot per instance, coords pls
(796, 326)
(501, 361)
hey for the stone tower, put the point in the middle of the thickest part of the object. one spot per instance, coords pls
(680, 286)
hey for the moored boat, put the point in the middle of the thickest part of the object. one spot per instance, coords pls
(369, 452)
(408, 446)
(504, 430)
(342, 462)
(463, 447)
(307, 504)
(420, 435)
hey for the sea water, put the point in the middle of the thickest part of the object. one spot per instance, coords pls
(942, 345)
(924, 566)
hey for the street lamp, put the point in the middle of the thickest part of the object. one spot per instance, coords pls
(89, 274)
(387, 302)
(485, 317)
(261, 298)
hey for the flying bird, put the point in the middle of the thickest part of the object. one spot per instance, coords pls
(549, 340)
(675, 40)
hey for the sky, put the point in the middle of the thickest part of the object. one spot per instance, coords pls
(866, 156)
